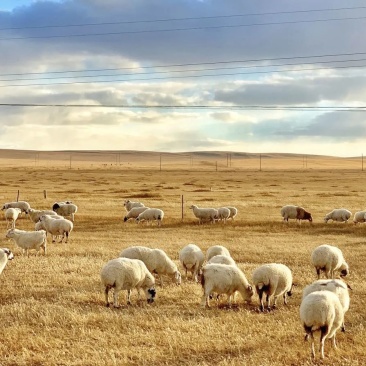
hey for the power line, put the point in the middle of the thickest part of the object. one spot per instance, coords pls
(185, 19)
(182, 29)
(185, 76)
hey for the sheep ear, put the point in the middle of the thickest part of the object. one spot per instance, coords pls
(250, 288)
(348, 286)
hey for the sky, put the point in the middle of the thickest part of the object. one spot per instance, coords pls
(185, 75)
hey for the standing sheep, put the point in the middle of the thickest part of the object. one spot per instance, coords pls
(65, 209)
(192, 258)
(295, 212)
(274, 279)
(339, 214)
(134, 213)
(151, 214)
(233, 212)
(321, 311)
(23, 205)
(11, 215)
(329, 259)
(28, 239)
(360, 216)
(35, 215)
(5, 255)
(216, 250)
(224, 279)
(57, 227)
(130, 204)
(156, 261)
(223, 213)
(127, 274)
(204, 214)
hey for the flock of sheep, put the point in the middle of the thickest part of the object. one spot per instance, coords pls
(323, 305)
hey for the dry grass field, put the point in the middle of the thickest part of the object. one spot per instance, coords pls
(52, 307)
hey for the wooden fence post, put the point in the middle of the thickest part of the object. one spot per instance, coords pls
(18, 195)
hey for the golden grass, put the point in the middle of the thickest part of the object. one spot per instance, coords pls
(52, 308)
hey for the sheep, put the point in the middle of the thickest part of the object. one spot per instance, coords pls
(223, 213)
(67, 209)
(224, 279)
(274, 279)
(321, 311)
(295, 212)
(5, 255)
(35, 215)
(210, 214)
(340, 214)
(41, 226)
(233, 212)
(359, 216)
(11, 215)
(336, 286)
(216, 250)
(151, 214)
(223, 259)
(329, 259)
(130, 204)
(134, 212)
(23, 205)
(55, 227)
(28, 239)
(192, 258)
(127, 274)
(156, 261)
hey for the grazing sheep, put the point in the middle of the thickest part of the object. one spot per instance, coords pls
(233, 212)
(192, 258)
(28, 239)
(11, 215)
(204, 214)
(295, 212)
(339, 214)
(224, 279)
(222, 259)
(223, 213)
(336, 286)
(216, 250)
(57, 227)
(134, 213)
(274, 279)
(156, 261)
(127, 274)
(35, 215)
(67, 209)
(23, 205)
(130, 204)
(321, 311)
(5, 255)
(329, 259)
(359, 216)
(151, 214)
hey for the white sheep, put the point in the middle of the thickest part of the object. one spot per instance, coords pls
(151, 214)
(273, 279)
(321, 311)
(223, 213)
(65, 209)
(338, 214)
(360, 216)
(156, 261)
(192, 258)
(23, 205)
(233, 212)
(134, 212)
(130, 204)
(5, 255)
(216, 250)
(28, 239)
(222, 259)
(127, 274)
(224, 279)
(204, 214)
(329, 259)
(35, 215)
(336, 286)
(295, 212)
(57, 227)
(11, 215)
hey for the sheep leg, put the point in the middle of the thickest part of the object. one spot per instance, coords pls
(115, 298)
(260, 295)
(67, 236)
(324, 332)
(318, 273)
(129, 297)
(106, 292)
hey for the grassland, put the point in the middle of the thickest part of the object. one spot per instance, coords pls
(52, 307)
